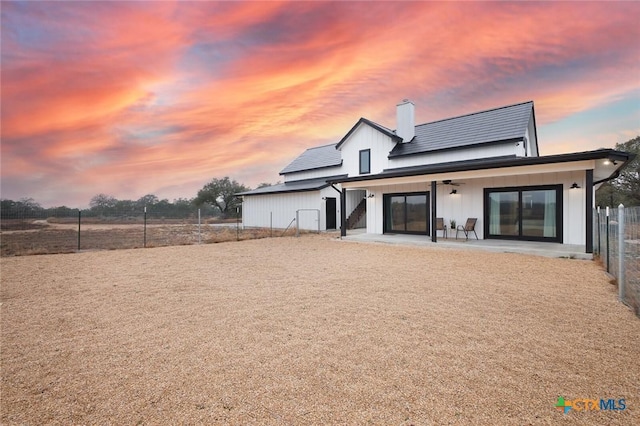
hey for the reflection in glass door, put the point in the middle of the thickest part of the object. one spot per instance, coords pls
(526, 213)
(503, 213)
(406, 213)
(539, 213)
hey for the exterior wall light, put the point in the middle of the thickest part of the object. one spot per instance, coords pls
(575, 185)
(453, 191)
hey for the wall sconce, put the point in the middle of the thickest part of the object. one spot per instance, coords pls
(453, 192)
(324, 198)
(370, 196)
(575, 185)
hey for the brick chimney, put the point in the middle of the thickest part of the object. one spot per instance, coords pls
(406, 120)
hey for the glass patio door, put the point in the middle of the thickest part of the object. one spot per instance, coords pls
(526, 213)
(406, 213)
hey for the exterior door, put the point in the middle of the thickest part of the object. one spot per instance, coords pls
(330, 207)
(406, 213)
(531, 213)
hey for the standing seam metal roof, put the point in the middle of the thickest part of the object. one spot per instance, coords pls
(315, 158)
(500, 124)
(494, 125)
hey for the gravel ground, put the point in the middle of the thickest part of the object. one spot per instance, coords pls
(311, 330)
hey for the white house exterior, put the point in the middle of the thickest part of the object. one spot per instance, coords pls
(484, 165)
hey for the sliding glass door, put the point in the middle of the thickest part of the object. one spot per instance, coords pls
(526, 213)
(406, 213)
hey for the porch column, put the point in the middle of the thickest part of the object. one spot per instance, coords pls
(343, 212)
(588, 187)
(433, 212)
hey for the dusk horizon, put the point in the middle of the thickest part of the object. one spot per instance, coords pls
(136, 98)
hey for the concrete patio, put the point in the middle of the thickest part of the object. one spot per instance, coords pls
(499, 246)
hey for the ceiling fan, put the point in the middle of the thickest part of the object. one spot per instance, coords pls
(450, 182)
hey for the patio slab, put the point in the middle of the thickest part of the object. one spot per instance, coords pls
(499, 246)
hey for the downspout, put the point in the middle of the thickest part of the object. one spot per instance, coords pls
(343, 214)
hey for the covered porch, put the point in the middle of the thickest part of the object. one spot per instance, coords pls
(535, 203)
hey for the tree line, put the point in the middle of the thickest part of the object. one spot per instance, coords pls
(216, 198)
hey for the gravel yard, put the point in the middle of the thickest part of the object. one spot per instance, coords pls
(311, 330)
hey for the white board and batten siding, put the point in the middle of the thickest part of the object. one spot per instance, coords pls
(259, 210)
(366, 137)
(469, 200)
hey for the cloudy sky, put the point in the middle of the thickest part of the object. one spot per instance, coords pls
(131, 98)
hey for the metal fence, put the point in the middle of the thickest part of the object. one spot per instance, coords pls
(617, 245)
(65, 230)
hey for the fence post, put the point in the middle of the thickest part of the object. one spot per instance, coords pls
(621, 271)
(237, 223)
(199, 230)
(608, 255)
(145, 226)
(79, 219)
(297, 223)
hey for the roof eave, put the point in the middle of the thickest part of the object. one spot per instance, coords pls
(511, 162)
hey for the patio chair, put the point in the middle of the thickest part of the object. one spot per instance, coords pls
(468, 227)
(440, 226)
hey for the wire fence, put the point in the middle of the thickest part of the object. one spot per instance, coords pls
(617, 245)
(65, 230)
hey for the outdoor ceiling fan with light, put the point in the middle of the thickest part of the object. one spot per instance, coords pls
(450, 182)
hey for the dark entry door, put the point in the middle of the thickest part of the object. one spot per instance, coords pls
(331, 213)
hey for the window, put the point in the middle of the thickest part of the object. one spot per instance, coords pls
(406, 213)
(365, 161)
(524, 213)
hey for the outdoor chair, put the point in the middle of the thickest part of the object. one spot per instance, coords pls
(440, 226)
(468, 227)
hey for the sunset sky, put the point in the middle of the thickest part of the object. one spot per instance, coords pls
(132, 98)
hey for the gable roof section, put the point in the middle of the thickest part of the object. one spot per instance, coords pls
(503, 124)
(376, 126)
(294, 186)
(315, 158)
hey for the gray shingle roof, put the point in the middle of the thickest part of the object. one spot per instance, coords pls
(295, 186)
(315, 158)
(500, 124)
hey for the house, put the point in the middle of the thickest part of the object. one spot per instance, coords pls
(483, 165)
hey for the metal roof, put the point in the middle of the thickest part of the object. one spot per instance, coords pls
(295, 186)
(500, 124)
(315, 158)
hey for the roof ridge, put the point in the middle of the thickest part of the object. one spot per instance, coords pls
(475, 113)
